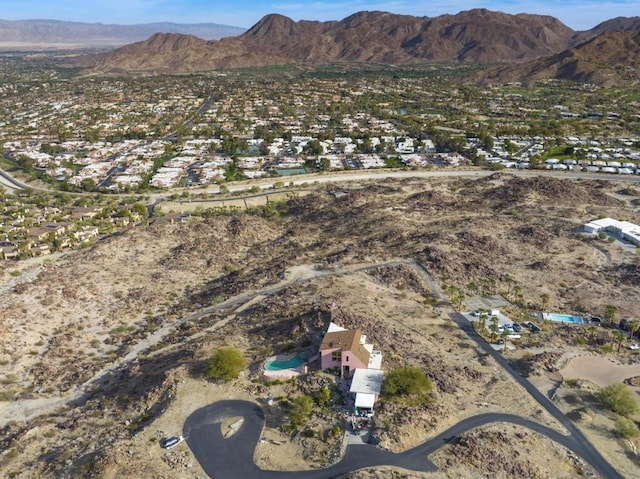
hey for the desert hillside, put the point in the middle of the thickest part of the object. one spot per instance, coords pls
(611, 58)
(272, 281)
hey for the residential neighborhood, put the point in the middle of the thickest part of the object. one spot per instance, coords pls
(117, 135)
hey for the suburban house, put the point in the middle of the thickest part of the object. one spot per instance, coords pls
(621, 229)
(347, 350)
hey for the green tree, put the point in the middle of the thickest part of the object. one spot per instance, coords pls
(619, 337)
(494, 328)
(505, 336)
(407, 384)
(226, 364)
(472, 288)
(140, 209)
(322, 397)
(618, 398)
(300, 411)
(325, 164)
(633, 327)
(544, 300)
(593, 332)
(610, 313)
(482, 319)
(313, 148)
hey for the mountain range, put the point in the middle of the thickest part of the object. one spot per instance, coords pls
(474, 36)
(53, 34)
(539, 46)
(611, 58)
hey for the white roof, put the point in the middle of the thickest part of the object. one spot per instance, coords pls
(602, 223)
(365, 401)
(333, 327)
(375, 359)
(368, 381)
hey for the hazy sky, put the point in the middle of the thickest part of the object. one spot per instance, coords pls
(579, 15)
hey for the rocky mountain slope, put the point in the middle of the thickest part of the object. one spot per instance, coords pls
(611, 58)
(59, 34)
(476, 35)
(617, 24)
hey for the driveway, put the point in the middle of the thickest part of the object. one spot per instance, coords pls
(232, 458)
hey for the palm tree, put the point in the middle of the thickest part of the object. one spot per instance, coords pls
(517, 291)
(509, 282)
(544, 298)
(619, 337)
(505, 335)
(593, 332)
(493, 327)
(610, 313)
(482, 318)
(633, 327)
(458, 300)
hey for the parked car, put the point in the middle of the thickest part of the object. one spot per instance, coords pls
(171, 441)
(516, 327)
(634, 347)
(533, 327)
(596, 319)
(508, 327)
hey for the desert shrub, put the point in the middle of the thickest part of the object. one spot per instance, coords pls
(322, 396)
(226, 364)
(407, 384)
(300, 411)
(627, 428)
(619, 399)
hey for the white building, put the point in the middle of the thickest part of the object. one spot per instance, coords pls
(622, 229)
(365, 388)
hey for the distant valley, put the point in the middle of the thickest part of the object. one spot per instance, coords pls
(53, 34)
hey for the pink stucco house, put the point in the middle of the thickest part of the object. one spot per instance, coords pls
(347, 350)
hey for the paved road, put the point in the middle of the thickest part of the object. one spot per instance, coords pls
(232, 458)
(365, 175)
(581, 444)
(10, 184)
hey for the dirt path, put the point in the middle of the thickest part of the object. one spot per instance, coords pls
(27, 409)
(599, 370)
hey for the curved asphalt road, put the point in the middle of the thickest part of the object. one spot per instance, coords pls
(580, 444)
(232, 458)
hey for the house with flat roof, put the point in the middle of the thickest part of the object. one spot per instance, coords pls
(365, 389)
(621, 229)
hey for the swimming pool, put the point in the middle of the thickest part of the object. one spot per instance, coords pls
(276, 365)
(564, 318)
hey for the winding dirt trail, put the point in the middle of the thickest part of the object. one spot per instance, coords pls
(25, 410)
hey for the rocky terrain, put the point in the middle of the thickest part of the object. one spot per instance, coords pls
(548, 48)
(611, 58)
(477, 35)
(77, 317)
